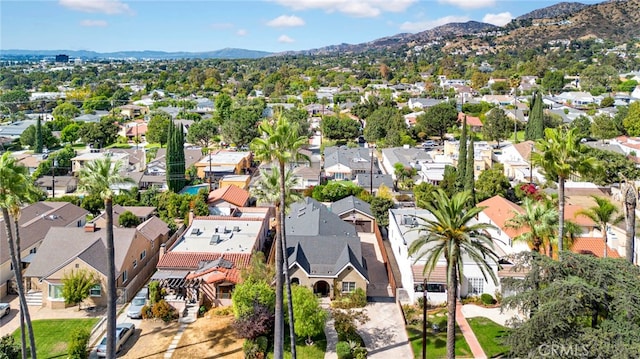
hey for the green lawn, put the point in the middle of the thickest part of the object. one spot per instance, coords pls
(315, 351)
(488, 334)
(120, 145)
(52, 335)
(436, 343)
(520, 136)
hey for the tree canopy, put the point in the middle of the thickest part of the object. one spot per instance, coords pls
(438, 119)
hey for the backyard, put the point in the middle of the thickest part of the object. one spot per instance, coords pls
(488, 334)
(436, 340)
(53, 335)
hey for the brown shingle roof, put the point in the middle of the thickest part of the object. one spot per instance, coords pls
(524, 149)
(191, 260)
(153, 228)
(231, 194)
(438, 275)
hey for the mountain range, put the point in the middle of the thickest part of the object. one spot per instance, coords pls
(617, 20)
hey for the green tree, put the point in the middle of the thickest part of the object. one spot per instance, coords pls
(539, 219)
(604, 128)
(560, 155)
(8, 348)
(632, 121)
(310, 315)
(76, 286)
(95, 103)
(242, 128)
(14, 99)
(582, 302)
(535, 125)
(29, 137)
(448, 183)
(607, 102)
(380, 207)
(438, 119)
(339, 128)
(101, 134)
(496, 126)
(280, 143)
(618, 168)
(248, 292)
(71, 133)
(384, 125)
(201, 133)
(603, 214)
(452, 232)
(37, 148)
(128, 220)
(583, 126)
(157, 129)
(598, 77)
(99, 177)
(422, 193)
(223, 103)
(553, 81)
(470, 174)
(492, 182)
(175, 161)
(65, 111)
(462, 156)
(16, 189)
(77, 347)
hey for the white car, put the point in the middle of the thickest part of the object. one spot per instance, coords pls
(5, 308)
(123, 332)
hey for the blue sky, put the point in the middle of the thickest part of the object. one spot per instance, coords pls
(205, 25)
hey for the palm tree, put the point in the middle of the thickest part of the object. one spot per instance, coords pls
(603, 214)
(452, 234)
(540, 219)
(15, 189)
(100, 177)
(280, 144)
(630, 202)
(561, 155)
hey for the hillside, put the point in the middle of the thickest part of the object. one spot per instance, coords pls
(557, 10)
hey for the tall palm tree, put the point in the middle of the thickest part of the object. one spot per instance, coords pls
(100, 177)
(561, 155)
(279, 144)
(454, 234)
(603, 214)
(16, 188)
(540, 218)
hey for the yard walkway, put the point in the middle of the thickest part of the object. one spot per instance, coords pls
(469, 336)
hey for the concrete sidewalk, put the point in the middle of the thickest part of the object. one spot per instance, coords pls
(495, 314)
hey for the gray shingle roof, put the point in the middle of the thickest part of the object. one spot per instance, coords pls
(320, 242)
(350, 203)
(405, 155)
(364, 180)
(358, 158)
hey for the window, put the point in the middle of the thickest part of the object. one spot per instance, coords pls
(143, 254)
(124, 276)
(135, 263)
(476, 285)
(96, 291)
(295, 281)
(348, 287)
(33, 250)
(431, 287)
(55, 291)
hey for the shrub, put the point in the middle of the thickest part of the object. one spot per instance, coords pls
(345, 324)
(154, 292)
(251, 350)
(223, 311)
(146, 312)
(164, 311)
(78, 344)
(343, 350)
(263, 343)
(403, 198)
(360, 353)
(356, 299)
(487, 299)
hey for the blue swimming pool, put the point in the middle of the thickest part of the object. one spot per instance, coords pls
(194, 189)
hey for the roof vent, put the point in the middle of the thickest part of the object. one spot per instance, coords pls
(195, 231)
(215, 239)
(236, 229)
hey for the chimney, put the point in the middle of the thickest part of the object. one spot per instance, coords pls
(90, 227)
(163, 250)
(190, 217)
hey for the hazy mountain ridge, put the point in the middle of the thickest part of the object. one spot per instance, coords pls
(557, 10)
(227, 53)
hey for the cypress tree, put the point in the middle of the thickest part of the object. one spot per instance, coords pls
(180, 163)
(469, 180)
(171, 158)
(535, 125)
(38, 146)
(462, 155)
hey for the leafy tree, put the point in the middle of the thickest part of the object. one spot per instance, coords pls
(256, 323)
(310, 316)
(242, 128)
(452, 232)
(77, 347)
(448, 183)
(29, 137)
(385, 125)
(14, 98)
(553, 81)
(496, 126)
(422, 193)
(175, 161)
(535, 125)
(560, 154)
(101, 134)
(583, 304)
(603, 214)
(16, 190)
(339, 128)
(98, 178)
(157, 129)
(607, 102)
(632, 120)
(603, 127)
(247, 293)
(492, 182)
(438, 119)
(128, 220)
(96, 103)
(469, 175)
(583, 126)
(71, 133)
(201, 133)
(76, 286)
(222, 105)
(462, 155)
(598, 77)
(37, 148)
(8, 348)
(65, 111)
(618, 168)
(380, 207)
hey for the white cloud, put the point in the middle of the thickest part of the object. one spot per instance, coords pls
(430, 24)
(110, 7)
(285, 39)
(500, 19)
(93, 23)
(469, 4)
(355, 8)
(241, 32)
(286, 21)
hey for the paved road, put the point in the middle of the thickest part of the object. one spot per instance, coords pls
(384, 334)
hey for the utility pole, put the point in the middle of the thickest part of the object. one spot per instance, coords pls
(53, 178)
(210, 173)
(531, 165)
(424, 319)
(371, 174)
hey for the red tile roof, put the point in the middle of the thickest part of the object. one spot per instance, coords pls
(471, 120)
(571, 213)
(593, 246)
(216, 275)
(191, 260)
(231, 194)
(500, 210)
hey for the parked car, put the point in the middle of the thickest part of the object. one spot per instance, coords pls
(139, 301)
(123, 332)
(5, 308)
(429, 144)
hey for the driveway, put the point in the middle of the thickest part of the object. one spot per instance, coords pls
(378, 280)
(384, 334)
